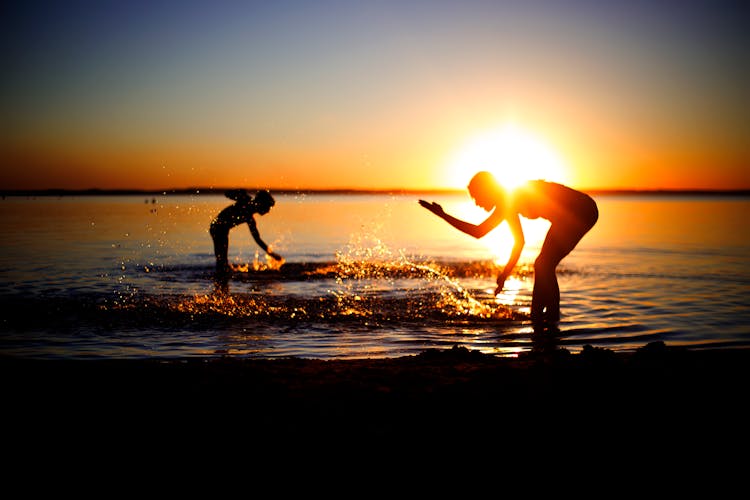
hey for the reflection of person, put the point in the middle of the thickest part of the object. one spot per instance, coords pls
(571, 214)
(243, 210)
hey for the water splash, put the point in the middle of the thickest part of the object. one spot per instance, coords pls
(259, 264)
(368, 263)
(237, 306)
(369, 282)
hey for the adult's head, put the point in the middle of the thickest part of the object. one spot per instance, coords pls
(486, 191)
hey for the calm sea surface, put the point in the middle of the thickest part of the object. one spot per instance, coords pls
(364, 276)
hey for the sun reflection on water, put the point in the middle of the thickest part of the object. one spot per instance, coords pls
(509, 296)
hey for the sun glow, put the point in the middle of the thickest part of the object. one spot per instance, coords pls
(499, 241)
(512, 153)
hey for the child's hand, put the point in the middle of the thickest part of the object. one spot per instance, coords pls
(433, 207)
(275, 255)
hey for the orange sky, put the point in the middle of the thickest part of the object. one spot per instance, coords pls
(385, 96)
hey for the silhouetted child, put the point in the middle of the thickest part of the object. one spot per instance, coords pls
(243, 210)
(571, 214)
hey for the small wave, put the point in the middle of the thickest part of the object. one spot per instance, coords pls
(143, 319)
(373, 286)
(306, 271)
(438, 306)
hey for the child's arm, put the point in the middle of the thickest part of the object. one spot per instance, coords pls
(256, 236)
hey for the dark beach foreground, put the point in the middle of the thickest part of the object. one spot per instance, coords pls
(654, 394)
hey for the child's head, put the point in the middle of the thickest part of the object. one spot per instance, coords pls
(485, 190)
(264, 201)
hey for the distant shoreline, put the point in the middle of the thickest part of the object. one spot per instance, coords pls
(214, 191)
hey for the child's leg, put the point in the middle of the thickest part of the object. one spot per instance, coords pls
(221, 249)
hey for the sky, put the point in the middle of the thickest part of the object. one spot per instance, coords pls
(371, 95)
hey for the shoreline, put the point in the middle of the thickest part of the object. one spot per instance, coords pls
(656, 387)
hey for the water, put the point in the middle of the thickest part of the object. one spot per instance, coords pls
(364, 276)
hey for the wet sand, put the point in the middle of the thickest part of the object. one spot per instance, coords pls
(658, 391)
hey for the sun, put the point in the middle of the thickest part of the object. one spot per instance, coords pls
(513, 154)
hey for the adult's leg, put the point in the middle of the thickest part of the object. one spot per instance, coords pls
(545, 302)
(545, 298)
(561, 239)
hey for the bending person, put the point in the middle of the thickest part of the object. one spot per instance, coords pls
(571, 214)
(242, 211)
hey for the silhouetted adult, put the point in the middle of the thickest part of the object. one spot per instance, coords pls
(571, 214)
(242, 211)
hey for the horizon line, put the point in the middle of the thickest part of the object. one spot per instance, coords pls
(313, 191)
